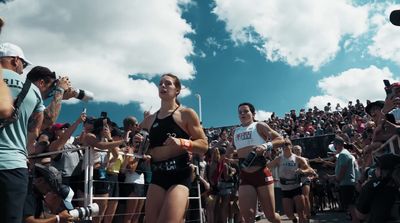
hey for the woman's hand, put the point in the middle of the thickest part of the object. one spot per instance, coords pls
(173, 142)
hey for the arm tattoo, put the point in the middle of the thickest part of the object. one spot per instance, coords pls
(53, 110)
(35, 121)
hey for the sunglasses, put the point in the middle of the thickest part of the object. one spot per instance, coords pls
(24, 63)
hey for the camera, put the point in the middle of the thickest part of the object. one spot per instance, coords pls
(92, 210)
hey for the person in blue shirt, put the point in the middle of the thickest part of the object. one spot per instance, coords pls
(345, 175)
(17, 139)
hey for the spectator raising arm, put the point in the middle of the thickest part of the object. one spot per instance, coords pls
(59, 143)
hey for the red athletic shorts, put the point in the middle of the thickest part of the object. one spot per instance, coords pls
(259, 178)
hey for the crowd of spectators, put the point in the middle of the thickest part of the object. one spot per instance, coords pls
(122, 168)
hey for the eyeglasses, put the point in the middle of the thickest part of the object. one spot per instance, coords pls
(24, 63)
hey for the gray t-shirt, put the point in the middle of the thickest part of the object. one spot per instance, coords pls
(13, 152)
(346, 159)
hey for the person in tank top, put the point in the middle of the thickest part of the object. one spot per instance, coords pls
(256, 181)
(291, 168)
(174, 132)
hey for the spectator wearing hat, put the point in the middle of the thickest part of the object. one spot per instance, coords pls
(48, 84)
(68, 162)
(346, 176)
(47, 189)
(6, 101)
(374, 110)
(378, 195)
(17, 139)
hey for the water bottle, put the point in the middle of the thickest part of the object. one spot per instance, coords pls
(249, 159)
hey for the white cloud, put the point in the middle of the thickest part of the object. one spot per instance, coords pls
(239, 60)
(263, 115)
(98, 44)
(385, 42)
(364, 84)
(298, 32)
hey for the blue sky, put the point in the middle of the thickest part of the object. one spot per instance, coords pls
(276, 54)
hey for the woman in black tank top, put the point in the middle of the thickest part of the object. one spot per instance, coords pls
(174, 133)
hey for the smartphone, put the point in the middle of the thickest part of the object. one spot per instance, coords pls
(103, 114)
(387, 87)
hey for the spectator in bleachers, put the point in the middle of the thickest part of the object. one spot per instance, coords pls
(379, 194)
(69, 163)
(6, 100)
(48, 190)
(100, 138)
(346, 176)
(135, 171)
(114, 164)
(48, 84)
(18, 138)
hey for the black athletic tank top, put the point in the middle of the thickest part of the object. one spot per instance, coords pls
(163, 128)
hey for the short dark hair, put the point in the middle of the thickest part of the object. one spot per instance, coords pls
(39, 72)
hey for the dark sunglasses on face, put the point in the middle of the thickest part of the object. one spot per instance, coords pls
(24, 63)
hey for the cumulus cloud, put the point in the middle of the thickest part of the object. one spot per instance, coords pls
(364, 84)
(384, 42)
(298, 32)
(99, 44)
(263, 115)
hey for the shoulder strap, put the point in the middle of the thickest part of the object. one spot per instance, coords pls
(21, 96)
(175, 110)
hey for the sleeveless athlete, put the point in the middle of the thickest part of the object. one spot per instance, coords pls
(287, 173)
(163, 128)
(247, 136)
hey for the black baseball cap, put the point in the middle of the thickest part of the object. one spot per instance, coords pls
(378, 104)
(40, 72)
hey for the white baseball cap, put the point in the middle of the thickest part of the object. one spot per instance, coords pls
(12, 50)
